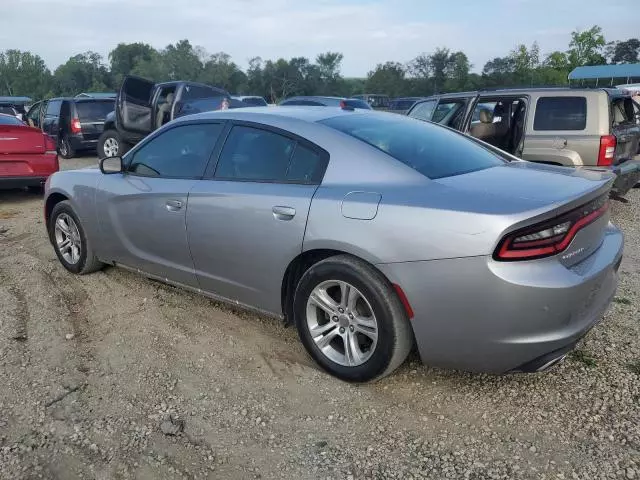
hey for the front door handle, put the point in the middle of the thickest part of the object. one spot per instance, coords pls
(173, 205)
(283, 213)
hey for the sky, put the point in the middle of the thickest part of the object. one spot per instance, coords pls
(367, 32)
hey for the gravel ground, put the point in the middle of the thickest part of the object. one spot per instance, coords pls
(115, 376)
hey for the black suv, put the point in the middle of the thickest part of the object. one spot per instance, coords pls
(74, 123)
(143, 106)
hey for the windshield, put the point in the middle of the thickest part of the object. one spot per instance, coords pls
(255, 101)
(9, 120)
(434, 151)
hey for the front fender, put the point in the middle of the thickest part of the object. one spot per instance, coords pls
(78, 187)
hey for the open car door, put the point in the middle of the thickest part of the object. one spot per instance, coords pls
(133, 106)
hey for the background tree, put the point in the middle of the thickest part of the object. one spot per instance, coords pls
(182, 61)
(624, 52)
(387, 78)
(23, 74)
(587, 47)
(84, 72)
(126, 56)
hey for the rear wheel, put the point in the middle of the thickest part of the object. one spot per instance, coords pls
(110, 144)
(350, 319)
(64, 148)
(70, 241)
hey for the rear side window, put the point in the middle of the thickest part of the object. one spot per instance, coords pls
(560, 113)
(94, 111)
(53, 107)
(253, 154)
(180, 152)
(433, 151)
(7, 110)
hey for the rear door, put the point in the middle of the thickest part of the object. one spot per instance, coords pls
(92, 114)
(624, 128)
(133, 105)
(247, 222)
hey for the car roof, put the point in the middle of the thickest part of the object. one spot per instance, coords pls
(15, 100)
(306, 114)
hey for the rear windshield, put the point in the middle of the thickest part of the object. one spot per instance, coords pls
(560, 113)
(434, 151)
(94, 111)
(7, 120)
(255, 101)
(379, 102)
(355, 103)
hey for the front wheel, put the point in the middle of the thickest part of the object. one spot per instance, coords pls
(110, 144)
(70, 242)
(350, 319)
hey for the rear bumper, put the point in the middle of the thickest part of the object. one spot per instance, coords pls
(80, 143)
(480, 315)
(19, 182)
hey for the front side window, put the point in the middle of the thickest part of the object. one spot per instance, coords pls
(560, 113)
(423, 110)
(253, 154)
(181, 152)
(433, 151)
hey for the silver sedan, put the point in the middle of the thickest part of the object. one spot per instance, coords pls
(371, 232)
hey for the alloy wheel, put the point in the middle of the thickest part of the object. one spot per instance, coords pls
(110, 147)
(342, 323)
(68, 241)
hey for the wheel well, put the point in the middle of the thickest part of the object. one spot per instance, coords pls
(52, 201)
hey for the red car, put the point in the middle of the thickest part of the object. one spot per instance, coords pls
(27, 156)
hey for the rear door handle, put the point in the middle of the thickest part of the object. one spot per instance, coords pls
(283, 213)
(173, 205)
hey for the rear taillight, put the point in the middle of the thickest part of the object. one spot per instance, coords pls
(550, 237)
(607, 150)
(75, 126)
(49, 144)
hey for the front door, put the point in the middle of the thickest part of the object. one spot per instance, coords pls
(247, 222)
(133, 105)
(142, 212)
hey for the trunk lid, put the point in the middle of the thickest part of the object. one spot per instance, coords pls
(531, 194)
(92, 115)
(20, 139)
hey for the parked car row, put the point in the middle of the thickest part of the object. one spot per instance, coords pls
(595, 129)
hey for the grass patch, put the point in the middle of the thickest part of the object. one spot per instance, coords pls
(622, 300)
(584, 357)
(634, 367)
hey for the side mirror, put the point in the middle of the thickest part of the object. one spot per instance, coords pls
(111, 165)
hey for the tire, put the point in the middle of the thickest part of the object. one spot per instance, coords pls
(374, 293)
(106, 144)
(86, 261)
(65, 150)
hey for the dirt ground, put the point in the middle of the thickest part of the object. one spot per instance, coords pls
(115, 376)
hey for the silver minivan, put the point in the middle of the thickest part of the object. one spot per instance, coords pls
(582, 128)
